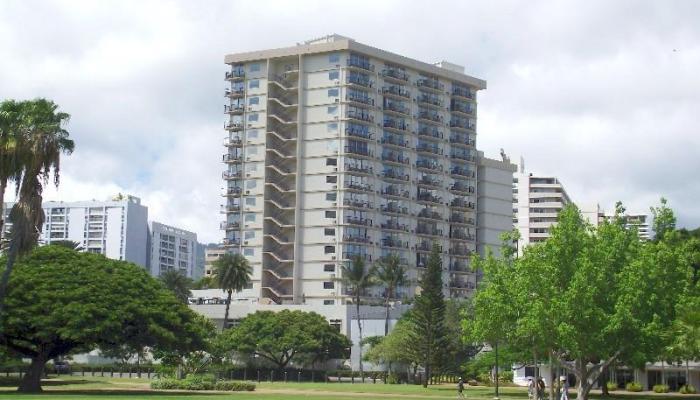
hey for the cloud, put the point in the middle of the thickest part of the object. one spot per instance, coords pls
(589, 91)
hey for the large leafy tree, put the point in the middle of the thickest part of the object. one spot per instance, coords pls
(285, 336)
(177, 283)
(232, 273)
(36, 139)
(395, 348)
(392, 275)
(428, 331)
(664, 220)
(63, 302)
(356, 278)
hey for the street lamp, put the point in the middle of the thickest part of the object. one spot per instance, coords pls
(496, 350)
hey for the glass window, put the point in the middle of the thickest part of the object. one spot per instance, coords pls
(332, 127)
(252, 150)
(248, 252)
(332, 179)
(331, 161)
(331, 196)
(251, 184)
(249, 235)
(330, 214)
(332, 109)
(253, 134)
(254, 67)
(250, 218)
(253, 101)
(329, 303)
(329, 231)
(334, 58)
(334, 92)
(334, 75)
(329, 249)
(328, 267)
(329, 285)
(250, 201)
(254, 84)
(251, 167)
(252, 117)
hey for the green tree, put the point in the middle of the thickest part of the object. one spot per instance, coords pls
(40, 138)
(280, 337)
(69, 244)
(428, 332)
(684, 333)
(63, 302)
(394, 349)
(177, 283)
(13, 127)
(356, 279)
(664, 219)
(392, 275)
(205, 282)
(232, 273)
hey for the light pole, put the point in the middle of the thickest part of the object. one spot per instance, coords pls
(496, 377)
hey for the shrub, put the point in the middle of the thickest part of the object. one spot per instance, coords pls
(392, 378)
(484, 378)
(199, 382)
(612, 386)
(660, 388)
(688, 389)
(234, 386)
(165, 384)
(505, 376)
(633, 387)
(472, 382)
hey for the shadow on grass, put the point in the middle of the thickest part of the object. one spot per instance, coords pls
(13, 381)
(110, 393)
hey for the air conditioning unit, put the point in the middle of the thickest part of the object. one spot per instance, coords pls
(247, 192)
(332, 276)
(335, 186)
(337, 82)
(336, 117)
(333, 258)
(335, 169)
(334, 204)
(247, 175)
(337, 100)
(245, 243)
(250, 108)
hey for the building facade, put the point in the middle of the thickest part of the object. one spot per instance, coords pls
(639, 222)
(337, 150)
(172, 249)
(211, 254)
(494, 213)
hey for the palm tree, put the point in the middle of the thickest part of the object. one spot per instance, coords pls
(12, 127)
(69, 244)
(357, 279)
(232, 273)
(391, 274)
(178, 283)
(41, 139)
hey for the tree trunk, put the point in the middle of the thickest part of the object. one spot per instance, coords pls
(228, 304)
(687, 373)
(359, 328)
(386, 319)
(604, 382)
(551, 377)
(5, 280)
(31, 382)
(427, 374)
(3, 186)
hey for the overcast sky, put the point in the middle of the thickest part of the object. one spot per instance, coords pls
(604, 95)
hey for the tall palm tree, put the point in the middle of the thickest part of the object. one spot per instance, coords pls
(232, 273)
(41, 140)
(69, 244)
(357, 279)
(12, 128)
(390, 274)
(177, 283)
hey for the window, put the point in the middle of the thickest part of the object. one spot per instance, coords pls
(254, 67)
(254, 84)
(332, 127)
(333, 75)
(251, 167)
(330, 214)
(250, 201)
(253, 134)
(332, 179)
(329, 268)
(334, 58)
(252, 150)
(248, 252)
(332, 109)
(333, 92)
(251, 184)
(249, 235)
(332, 161)
(252, 117)
(329, 249)
(331, 196)
(329, 285)
(250, 218)
(253, 101)
(329, 231)
(328, 302)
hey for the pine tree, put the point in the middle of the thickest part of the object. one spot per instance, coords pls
(428, 331)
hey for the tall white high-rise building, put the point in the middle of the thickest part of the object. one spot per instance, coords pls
(337, 150)
(172, 249)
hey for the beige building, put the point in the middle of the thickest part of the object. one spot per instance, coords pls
(211, 254)
(337, 150)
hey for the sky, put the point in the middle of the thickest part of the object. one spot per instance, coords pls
(605, 95)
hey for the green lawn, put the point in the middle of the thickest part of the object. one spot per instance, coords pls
(121, 388)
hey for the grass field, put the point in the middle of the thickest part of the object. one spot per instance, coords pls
(117, 388)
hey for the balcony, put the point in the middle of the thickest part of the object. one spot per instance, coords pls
(234, 109)
(392, 191)
(430, 83)
(359, 99)
(460, 251)
(428, 197)
(457, 138)
(234, 126)
(397, 74)
(396, 124)
(427, 180)
(427, 247)
(233, 142)
(229, 226)
(461, 235)
(360, 151)
(427, 230)
(459, 266)
(393, 208)
(359, 80)
(231, 175)
(395, 158)
(429, 165)
(461, 219)
(355, 203)
(358, 168)
(462, 188)
(231, 242)
(232, 158)
(360, 115)
(231, 208)
(234, 192)
(356, 238)
(431, 116)
(460, 171)
(459, 284)
(361, 63)
(429, 148)
(430, 100)
(462, 124)
(397, 108)
(350, 220)
(347, 255)
(236, 74)
(396, 91)
(363, 187)
(394, 243)
(394, 226)
(460, 91)
(430, 132)
(359, 133)
(385, 259)
(462, 203)
(463, 157)
(235, 93)
(394, 175)
(394, 141)
(427, 213)
(464, 108)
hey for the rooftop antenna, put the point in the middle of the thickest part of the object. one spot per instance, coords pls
(522, 164)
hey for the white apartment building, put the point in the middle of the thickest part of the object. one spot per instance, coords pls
(494, 202)
(337, 150)
(537, 201)
(637, 221)
(212, 254)
(172, 249)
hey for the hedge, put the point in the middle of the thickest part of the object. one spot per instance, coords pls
(197, 382)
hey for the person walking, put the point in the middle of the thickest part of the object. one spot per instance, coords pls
(530, 389)
(564, 388)
(540, 388)
(460, 388)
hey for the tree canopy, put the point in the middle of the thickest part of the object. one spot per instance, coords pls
(177, 283)
(280, 337)
(61, 302)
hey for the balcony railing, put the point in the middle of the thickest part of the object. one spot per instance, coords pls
(429, 181)
(430, 83)
(427, 247)
(363, 169)
(426, 148)
(431, 132)
(357, 221)
(461, 187)
(461, 203)
(351, 256)
(236, 92)
(397, 107)
(428, 230)
(456, 234)
(234, 126)
(430, 116)
(462, 92)
(392, 174)
(232, 158)
(360, 63)
(429, 197)
(428, 99)
(232, 175)
(457, 138)
(396, 158)
(358, 186)
(359, 99)
(395, 73)
(358, 150)
(232, 242)
(460, 251)
(462, 172)
(234, 109)
(360, 115)
(396, 124)
(234, 191)
(459, 123)
(233, 142)
(461, 219)
(394, 209)
(391, 140)
(393, 225)
(360, 133)
(429, 164)
(429, 214)
(231, 208)
(359, 80)
(463, 157)
(235, 74)
(356, 238)
(392, 191)
(459, 266)
(464, 108)
(348, 202)
(396, 91)
(394, 243)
